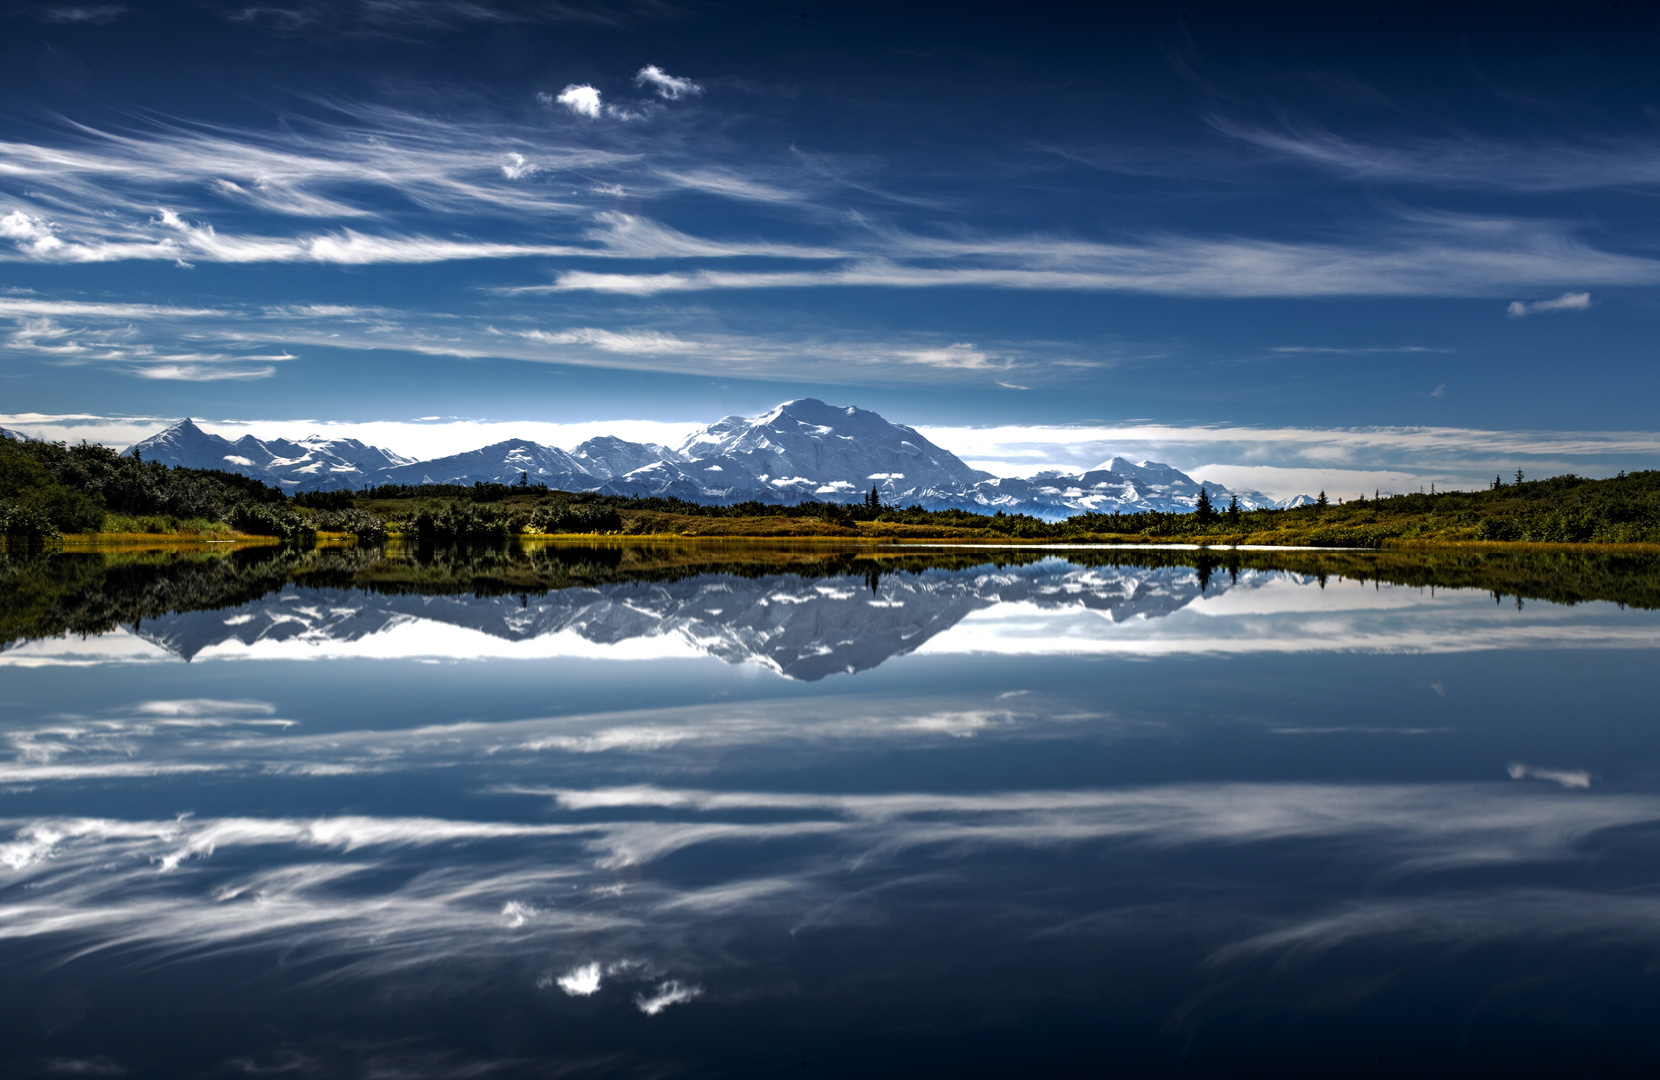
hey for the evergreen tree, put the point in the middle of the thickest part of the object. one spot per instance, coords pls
(1203, 512)
(1233, 510)
(1322, 502)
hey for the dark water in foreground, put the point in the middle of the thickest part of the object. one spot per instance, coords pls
(663, 812)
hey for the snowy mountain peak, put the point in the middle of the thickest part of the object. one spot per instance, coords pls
(807, 448)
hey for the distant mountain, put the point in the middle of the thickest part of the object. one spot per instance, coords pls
(501, 463)
(802, 449)
(609, 457)
(310, 464)
(807, 449)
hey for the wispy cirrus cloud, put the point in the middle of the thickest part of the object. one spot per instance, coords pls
(109, 335)
(1457, 264)
(1579, 301)
(125, 335)
(70, 14)
(405, 18)
(1461, 161)
(199, 193)
(1355, 350)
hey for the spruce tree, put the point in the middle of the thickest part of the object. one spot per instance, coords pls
(1203, 511)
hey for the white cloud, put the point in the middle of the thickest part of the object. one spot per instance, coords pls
(1342, 483)
(201, 372)
(1576, 301)
(634, 342)
(1574, 778)
(514, 166)
(727, 182)
(196, 707)
(1465, 265)
(34, 236)
(580, 981)
(1469, 161)
(666, 86)
(962, 355)
(581, 99)
(669, 993)
(1288, 461)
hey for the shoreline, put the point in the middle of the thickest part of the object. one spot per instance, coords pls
(236, 541)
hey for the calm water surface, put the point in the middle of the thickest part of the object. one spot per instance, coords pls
(663, 812)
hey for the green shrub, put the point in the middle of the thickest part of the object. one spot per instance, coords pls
(566, 517)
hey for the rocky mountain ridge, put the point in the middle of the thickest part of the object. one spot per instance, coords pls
(802, 449)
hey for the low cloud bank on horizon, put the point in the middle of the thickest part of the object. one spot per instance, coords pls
(1281, 462)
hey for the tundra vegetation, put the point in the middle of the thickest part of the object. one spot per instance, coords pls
(49, 490)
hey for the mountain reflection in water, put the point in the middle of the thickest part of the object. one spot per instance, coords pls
(1004, 812)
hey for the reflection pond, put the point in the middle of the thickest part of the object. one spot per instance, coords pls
(699, 810)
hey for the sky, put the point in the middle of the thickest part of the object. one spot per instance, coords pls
(1375, 247)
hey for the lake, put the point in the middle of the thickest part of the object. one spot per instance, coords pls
(708, 810)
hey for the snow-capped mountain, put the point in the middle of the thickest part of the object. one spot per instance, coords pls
(803, 628)
(802, 449)
(501, 463)
(310, 464)
(807, 449)
(609, 457)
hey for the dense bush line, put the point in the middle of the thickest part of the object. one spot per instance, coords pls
(50, 488)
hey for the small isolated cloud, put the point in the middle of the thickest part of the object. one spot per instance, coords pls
(1575, 778)
(668, 87)
(515, 167)
(1568, 301)
(584, 100)
(669, 993)
(581, 99)
(1439, 392)
(584, 982)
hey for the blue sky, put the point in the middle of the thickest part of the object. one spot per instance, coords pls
(1373, 247)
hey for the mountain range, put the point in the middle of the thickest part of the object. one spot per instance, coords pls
(802, 449)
